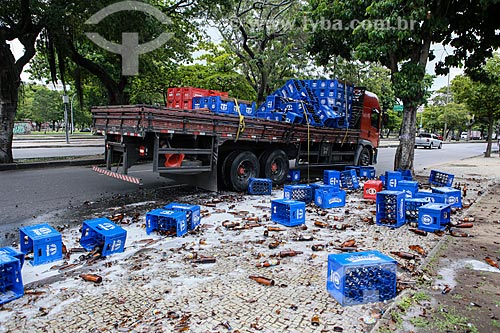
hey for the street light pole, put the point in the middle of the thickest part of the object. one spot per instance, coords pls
(72, 119)
(66, 102)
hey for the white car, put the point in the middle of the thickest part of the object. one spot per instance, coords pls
(428, 140)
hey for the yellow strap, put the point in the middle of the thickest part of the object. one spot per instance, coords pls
(241, 126)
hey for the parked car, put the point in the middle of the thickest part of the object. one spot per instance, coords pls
(86, 130)
(428, 140)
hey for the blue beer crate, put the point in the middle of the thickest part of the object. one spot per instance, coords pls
(260, 186)
(43, 241)
(265, 115)
(329, 196)
(349, 180)
(278, 116)
(406, 174)
(200, 103)
(411, 209)
(193, 213)
(274, 103)
(331, 177)
(166, 221)
(433, 217)
(104, 234)
(10, 251)
(407, 186)
(293, 118)
(217, 105)
(11, 279)
(353, 167)
(293, 176)
(390, 208)
(392, 178)
(439, 178)
(431, 197)
(453, 195)
(361, 277)
(288, 212)
(247, 110)
(298, 193)
(367, 172)
(294, 107)
(314, 187)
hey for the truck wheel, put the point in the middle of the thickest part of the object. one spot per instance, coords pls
(223, 174)
(365, 157)
(274, 165)
(240, 168)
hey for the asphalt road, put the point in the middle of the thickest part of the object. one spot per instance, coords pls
(427, 157)
(32, 196)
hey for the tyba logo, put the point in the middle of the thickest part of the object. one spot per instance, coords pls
(130, 49)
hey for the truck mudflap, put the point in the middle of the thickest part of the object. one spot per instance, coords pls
(119, 176)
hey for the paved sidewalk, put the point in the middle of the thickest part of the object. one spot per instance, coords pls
(154, 286)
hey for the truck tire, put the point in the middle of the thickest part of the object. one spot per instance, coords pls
(274, 165)
(365, 157)
(240, 168)
(223, 174)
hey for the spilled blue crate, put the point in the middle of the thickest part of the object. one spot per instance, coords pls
(43, 241)
(260, 186)
(431, 197)
(10, 251)
(331, 177)
(390, 209)
(433, 217)
(104, 234)
(411, 209)
(329, 196)
(166, 221)
(353, 167)
(439, 178)
(392, 178)
(367, 172)
(193, 213)
(349, 180)
(298, 193)
(408, 186)
(453, 195)
(406, 174)
(288, 212)
(293, 176)
(11, 279)
(361, 277)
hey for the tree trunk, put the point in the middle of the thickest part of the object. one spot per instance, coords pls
(9, 88)
(405, 152)
(490, 135)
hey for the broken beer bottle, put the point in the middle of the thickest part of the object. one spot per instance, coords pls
(404, 255)
(91, 277)
(262, 280)
(289, 253)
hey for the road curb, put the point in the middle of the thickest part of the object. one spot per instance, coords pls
(62, 146)
(50, 164)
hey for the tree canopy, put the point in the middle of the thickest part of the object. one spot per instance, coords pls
(399, 35)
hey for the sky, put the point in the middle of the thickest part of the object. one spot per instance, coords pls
(439, 51)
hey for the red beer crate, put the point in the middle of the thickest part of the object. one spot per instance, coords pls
(371, 188)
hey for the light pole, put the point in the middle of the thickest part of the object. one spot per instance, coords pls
(66, 102)
(72, 119)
